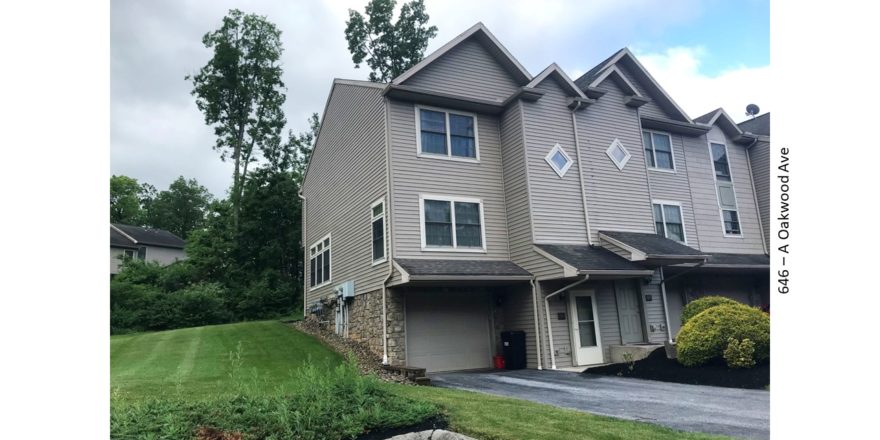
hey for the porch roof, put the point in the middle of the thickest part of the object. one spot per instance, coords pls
(649, 247)
(585, 259)
(431, 269)
(737, 261)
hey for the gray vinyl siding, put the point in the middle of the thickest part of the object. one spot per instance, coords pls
(557, 203)
(468, 70)
(759, 155)
(674, 187)
(561, 335)
(346, 175)
(609, 326)
(616, 199)
(650, 109)
(516, 194)
(654, 313)
(413, 175)
(518, 310)
(701, 176)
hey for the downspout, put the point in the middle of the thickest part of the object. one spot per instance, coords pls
(755, 196)
(577, 150)
(547, 310)
(537, 324)
(390, 239)
(303, 241)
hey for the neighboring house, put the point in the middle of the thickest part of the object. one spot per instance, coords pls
(146, 244)
(468, 197)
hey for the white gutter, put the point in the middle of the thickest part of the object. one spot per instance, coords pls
(303, 240)
(537, 324)
(665, 306)
(577, 151)
(390, 238)
(547, 310)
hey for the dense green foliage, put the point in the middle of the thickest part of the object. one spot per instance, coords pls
(705, 336)
(126, 196)
(180, 209)
(389, 49)
(696, 306)
(318, 403)
(739, 354)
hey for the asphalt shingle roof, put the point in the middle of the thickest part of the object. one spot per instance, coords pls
(419, 267)
(148, 236)
(652, 244)
(739, 259)
(119, 240)
(584, 257)
(585, 79)
(759, 125)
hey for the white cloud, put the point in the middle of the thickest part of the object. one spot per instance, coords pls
(677, 70)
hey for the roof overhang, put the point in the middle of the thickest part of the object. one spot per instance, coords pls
(673, 126)
(407, 277)
(446, 100)
(563, 79)
(618, 77)
(720, 118)
(637, 254)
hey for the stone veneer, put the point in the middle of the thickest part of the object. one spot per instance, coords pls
(365, 323)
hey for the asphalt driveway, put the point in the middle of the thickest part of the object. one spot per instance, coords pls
(715, 410)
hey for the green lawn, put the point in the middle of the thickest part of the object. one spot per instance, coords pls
(194, 363)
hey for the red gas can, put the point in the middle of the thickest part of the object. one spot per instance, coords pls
(498, 360)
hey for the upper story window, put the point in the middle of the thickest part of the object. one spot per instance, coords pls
(452, 223)
(618, 154)
(377, 223)
(558, 160)
(447, 134)
(140, 253)
(719, 158)
(658, 150)
(319, 263)
(668, 221)
(731, 222)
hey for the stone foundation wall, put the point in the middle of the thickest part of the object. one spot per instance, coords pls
(365, 323)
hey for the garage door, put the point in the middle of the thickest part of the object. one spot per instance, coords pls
(448, 331)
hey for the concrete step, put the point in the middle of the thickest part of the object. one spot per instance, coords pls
(423, 380)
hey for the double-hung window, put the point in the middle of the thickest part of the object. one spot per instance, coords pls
(719, 159)
(658, 150)
(668, 221)
(319, 263)
(377, 222)
(452, 223)
(731, 222)
(447, 133)
(724, 185)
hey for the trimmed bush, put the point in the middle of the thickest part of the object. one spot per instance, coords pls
(740, 354)
(696, 306)
(705, 336)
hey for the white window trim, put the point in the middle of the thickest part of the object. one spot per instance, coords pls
(448, 155)
(373, 218)
(314, 245)
(654, 152)
(663, 217)
(721, 210)
(549, 159)
(133, 255)
(615, 143)
(451, 200)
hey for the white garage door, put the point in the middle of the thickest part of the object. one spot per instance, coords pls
(449, 331)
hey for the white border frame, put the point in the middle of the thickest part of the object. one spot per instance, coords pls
(721, 210)
(549, 159)
(329, 280)
(654, 153)
(573, 323)
(448, 155)
(373, 219)
(663, 214)
(451, 200)
(615, 143)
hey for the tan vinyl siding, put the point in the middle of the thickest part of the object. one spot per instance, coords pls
(346, 175)
(468, 70)
(616, 199)
(609, 325)
(557, 203)
(759, 155)
(674, 187)
(413, 175)
(650, 109)
(519, 314)
(654, 314)
(706, 211)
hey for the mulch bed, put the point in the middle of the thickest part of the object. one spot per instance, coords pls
(367, 361)
(658, 367)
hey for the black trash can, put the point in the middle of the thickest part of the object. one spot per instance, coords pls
(514, 345)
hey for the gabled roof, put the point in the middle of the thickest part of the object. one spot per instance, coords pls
(599, 73)
(118, 239)
(482, 34)
(648, 246)
(138, 236)
(720, 118)
(561, 77)
(759, 125)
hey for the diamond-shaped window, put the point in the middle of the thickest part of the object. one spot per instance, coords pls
(618, 154)
(558, 160)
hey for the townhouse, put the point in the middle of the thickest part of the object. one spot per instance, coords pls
(468, 197)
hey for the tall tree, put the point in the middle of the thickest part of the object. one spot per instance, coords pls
(240, 92)
(180, 209)
(389, 49)
(125, 200)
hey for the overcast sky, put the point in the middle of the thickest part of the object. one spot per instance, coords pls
(706, 54)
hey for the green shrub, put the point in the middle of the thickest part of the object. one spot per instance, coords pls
(740, 354)
(696, 306)
(705, 336)
(321, 403)
(137, 307)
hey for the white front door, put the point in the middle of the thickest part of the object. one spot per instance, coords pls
(585, 328)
